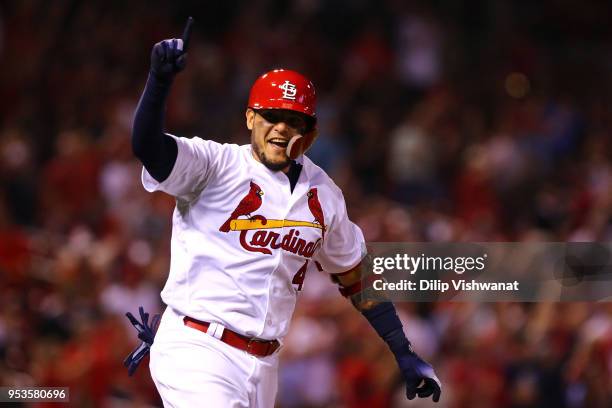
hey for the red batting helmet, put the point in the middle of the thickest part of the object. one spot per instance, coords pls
(283, 89)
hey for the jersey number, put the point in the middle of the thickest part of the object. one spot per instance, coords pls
(298, 278)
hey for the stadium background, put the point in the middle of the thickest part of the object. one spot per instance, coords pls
(463, 121)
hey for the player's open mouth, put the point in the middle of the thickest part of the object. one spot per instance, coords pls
(282, 143)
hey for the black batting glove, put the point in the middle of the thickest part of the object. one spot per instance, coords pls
(420, 378)
(169, 57)
(146, 333)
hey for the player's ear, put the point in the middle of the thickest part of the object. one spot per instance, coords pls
(250, 118)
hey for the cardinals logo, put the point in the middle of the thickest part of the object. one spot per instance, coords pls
(264, 239)
(249, 204)
(315, 208)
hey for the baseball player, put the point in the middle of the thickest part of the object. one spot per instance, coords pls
(250, 222)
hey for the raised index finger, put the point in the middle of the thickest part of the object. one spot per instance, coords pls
(187, 33)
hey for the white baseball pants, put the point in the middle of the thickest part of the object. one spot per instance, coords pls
(193, 369)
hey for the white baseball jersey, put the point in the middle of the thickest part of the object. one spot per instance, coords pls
(242, 241)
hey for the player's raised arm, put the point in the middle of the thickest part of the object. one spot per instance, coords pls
(157, 151)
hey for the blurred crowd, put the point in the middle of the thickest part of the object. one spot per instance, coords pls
(440, 121)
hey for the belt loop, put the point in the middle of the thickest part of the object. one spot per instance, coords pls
(215, 330)
(219, 331)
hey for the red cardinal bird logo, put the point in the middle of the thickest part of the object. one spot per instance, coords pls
(315, 209)
(250, 203)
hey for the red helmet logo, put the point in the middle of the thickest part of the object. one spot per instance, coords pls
(283, 89)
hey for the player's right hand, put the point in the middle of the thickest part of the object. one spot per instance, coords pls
(169, 57)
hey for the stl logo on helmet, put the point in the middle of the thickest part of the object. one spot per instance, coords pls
(289, 90)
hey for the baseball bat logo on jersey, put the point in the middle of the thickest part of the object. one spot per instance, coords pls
(263, 240)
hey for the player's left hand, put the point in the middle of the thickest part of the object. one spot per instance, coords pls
(420, 378)
(146, 333)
